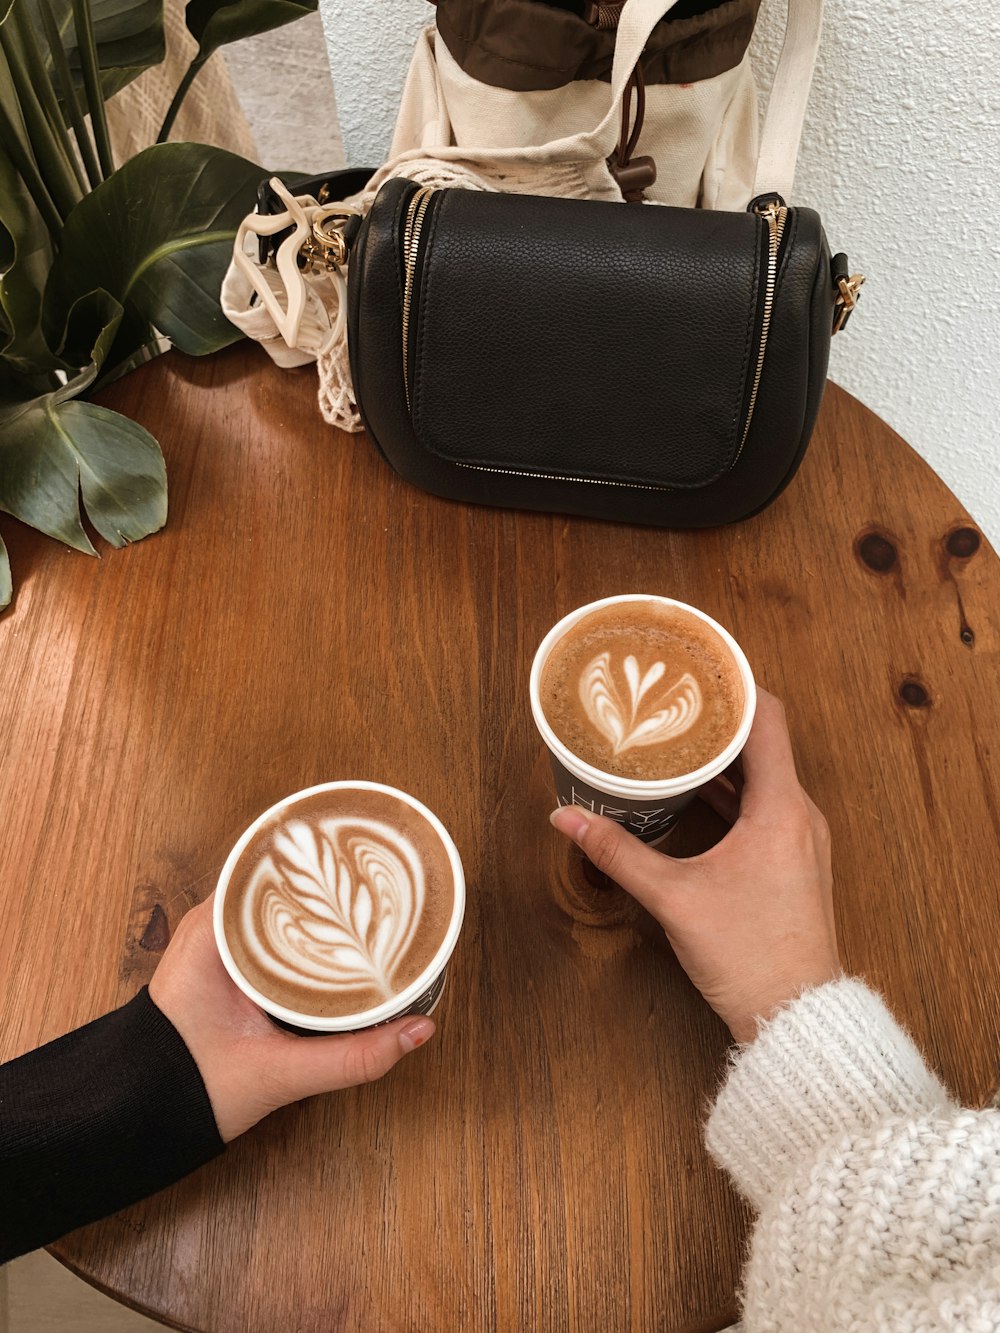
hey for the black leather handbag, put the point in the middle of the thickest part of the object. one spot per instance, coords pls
(647, 364)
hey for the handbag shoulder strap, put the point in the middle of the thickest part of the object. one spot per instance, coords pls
(786, 106)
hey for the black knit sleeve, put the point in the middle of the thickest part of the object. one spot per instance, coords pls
(95, 1121)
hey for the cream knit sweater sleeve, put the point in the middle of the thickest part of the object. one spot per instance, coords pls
(879, 1198)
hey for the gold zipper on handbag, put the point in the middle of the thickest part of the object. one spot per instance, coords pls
(774, 214)
(772, 211)
(411, 248)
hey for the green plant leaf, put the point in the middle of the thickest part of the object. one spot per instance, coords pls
(96, 316)
(123, 478)
(157, 236)
(25, 257)
(214, 23)
(53, 449)
(128, 33)
(6, 587)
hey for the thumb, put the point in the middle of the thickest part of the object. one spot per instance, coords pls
(327, 1064)
(641, 871)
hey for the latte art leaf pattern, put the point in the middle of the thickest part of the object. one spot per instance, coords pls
(335, 904)
(648, 716)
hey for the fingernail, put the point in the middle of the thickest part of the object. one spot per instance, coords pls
(415, 1034)
(571, 820)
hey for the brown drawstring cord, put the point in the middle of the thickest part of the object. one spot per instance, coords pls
(634, 175)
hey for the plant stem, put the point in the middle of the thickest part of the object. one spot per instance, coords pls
(27, 169)
(42, 84)
(70, 99)
(190, 75)
(92, 84)
(45, 147)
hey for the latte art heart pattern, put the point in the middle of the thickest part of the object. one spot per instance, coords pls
(649, 715)
(336, 904)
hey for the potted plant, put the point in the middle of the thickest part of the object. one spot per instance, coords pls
(102, 265)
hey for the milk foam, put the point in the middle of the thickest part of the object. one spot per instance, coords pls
(335, 904)
(641, 689)
(648, 715)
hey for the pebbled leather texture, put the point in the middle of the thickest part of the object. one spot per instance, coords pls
(571, 331)
(661, 406)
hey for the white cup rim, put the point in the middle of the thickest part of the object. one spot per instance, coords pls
(634, 787)
(399, 1003)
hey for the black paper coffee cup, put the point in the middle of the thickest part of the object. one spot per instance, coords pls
(649, 809)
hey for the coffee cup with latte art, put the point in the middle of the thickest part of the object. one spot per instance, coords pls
(340, 906)
(640, 701)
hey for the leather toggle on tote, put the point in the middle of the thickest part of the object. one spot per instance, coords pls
(654, 364)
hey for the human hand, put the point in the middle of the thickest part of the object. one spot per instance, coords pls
(249, 1066)
(751, 920)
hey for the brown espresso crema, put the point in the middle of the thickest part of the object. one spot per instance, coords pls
(642, 691)
(339, 902)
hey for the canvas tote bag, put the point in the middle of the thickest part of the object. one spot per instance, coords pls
(498, 77)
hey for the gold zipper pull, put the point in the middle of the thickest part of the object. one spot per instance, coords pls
(767, 205)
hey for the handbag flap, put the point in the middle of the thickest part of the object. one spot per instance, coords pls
(587, 340)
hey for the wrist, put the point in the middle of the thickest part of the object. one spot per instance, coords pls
(223, 1073)
(745, 1020)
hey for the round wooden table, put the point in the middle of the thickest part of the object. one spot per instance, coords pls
(306, 615)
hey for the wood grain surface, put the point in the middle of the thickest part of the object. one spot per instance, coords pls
(305, 616)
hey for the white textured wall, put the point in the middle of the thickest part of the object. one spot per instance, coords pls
(901, 155)
(370, 43)
(283, 81)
